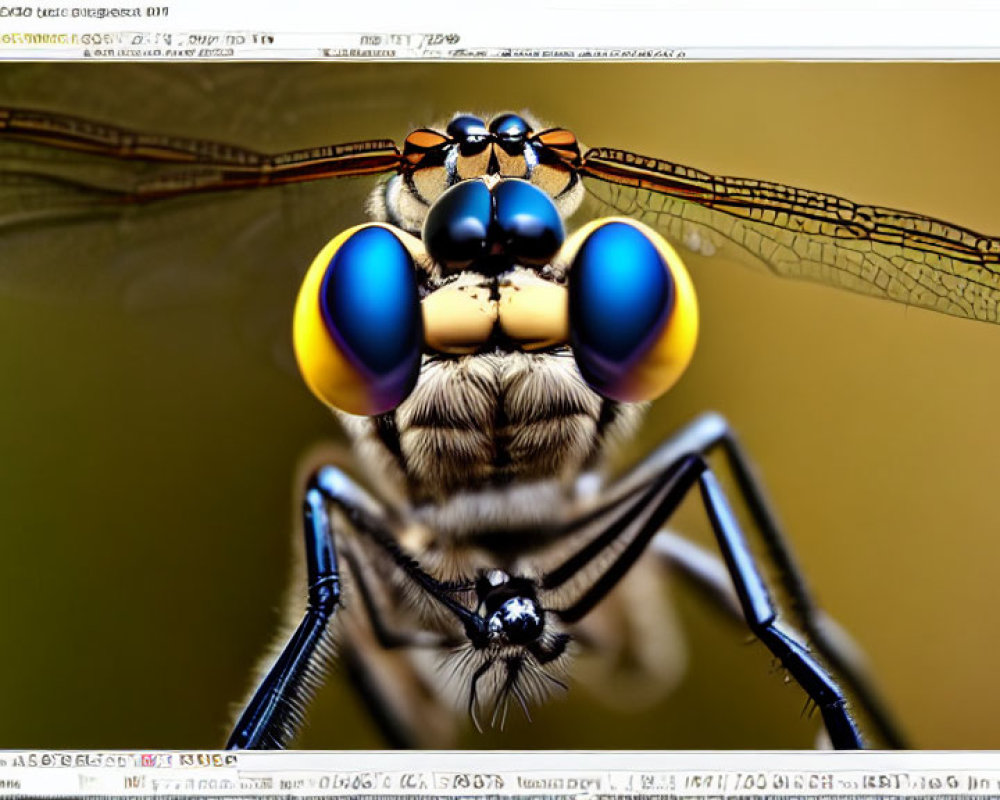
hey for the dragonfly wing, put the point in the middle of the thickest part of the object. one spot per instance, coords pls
(64, 237)
(796, 233)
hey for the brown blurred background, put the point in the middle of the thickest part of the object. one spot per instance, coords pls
(149, 433)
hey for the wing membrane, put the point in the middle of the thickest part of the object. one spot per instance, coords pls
(172, 165)
(797, 233)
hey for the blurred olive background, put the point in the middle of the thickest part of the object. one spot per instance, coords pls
(150, 425)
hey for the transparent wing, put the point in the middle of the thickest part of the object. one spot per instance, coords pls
(73, 224)
(67, 233)
(797, 233)
(208, 166)
(54, 202)
(131, 166)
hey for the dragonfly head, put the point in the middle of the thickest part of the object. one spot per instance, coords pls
(511, 608)
(471, 346)
(435, 159)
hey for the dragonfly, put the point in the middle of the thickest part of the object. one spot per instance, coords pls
(905, 257)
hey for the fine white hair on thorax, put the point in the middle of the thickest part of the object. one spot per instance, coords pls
(491, 440)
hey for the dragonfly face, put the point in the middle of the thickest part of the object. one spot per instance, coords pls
(503, 403)
(682, 238)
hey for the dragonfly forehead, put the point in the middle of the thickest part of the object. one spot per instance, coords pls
(467, 148)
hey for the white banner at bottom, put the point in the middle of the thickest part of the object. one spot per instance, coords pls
(503, 775)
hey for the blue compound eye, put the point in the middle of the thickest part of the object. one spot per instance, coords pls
(467, 127)
(632, 310)
(358, 326)
(470, 133)
(517, 220)
(510, 126)
(458, 224)
(528, 226)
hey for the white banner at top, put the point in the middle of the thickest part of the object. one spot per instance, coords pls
(553, 29)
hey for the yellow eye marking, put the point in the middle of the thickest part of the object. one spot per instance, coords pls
(326, 370)
(670, 356)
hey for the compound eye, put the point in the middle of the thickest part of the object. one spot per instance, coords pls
(458, 224)
(358, 327)
(467, 127)
(528, 224)
(471, 134)
(510, 132)
(632, 310)
(510, 127)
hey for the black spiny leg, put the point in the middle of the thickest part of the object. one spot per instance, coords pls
(762, 618)
(634, 514)
(275, 712)
(704, 435)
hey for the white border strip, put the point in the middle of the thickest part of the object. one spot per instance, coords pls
(499, 775)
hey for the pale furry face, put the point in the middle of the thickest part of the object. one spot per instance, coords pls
(487, 425)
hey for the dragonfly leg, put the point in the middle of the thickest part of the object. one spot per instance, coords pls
(702, 568)
(846, 659)
(762, 617)
(627, 521)
(709, 433)
(274, 713)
